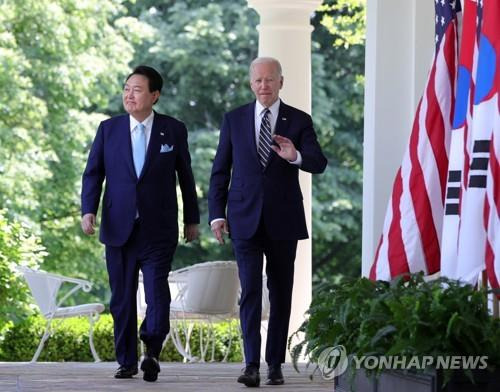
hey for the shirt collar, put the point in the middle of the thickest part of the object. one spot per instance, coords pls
(148, 121)
(274, 108)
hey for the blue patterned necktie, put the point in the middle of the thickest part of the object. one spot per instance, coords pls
(265, 139)
(139, 147)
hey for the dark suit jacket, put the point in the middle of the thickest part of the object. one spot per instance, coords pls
(249, 192)
(153, 193)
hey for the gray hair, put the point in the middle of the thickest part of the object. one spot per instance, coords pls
(265, 60)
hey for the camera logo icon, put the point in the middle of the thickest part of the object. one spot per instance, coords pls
(333, 362)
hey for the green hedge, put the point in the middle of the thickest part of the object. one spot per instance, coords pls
(69, 341)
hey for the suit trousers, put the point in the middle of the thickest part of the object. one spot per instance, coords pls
(280, 258)
(123, 265)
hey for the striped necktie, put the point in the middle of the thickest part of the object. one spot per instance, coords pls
(265, 139)
(139, 147)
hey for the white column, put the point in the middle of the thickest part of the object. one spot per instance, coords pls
(285, 33)
(399, 49)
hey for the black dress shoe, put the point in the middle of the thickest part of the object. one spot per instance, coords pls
(250, 377)
(151, 368)
(274, 375)
(126, 371)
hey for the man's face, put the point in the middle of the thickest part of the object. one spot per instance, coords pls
(137, 99)
(266, 83)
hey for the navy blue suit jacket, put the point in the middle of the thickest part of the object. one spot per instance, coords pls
(250, 193)
(153, 194)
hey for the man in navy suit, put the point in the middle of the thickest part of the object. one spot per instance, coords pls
(255, 175)
(140, 155)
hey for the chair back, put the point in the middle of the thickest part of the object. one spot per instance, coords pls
(212, 288)
(44, 288)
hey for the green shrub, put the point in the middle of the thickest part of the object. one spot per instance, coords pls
(103, 338)
(69, 341)
(18, 244)
(407, 317)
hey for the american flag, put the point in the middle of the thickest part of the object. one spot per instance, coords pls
(461, 148)
(491, 213)
(410, 240)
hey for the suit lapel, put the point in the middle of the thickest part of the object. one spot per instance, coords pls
(249, 120)
(154, 144)
(126, 143)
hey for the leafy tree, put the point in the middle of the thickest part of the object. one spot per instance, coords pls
(203, 50)
(17, 247)
(338, 69)
(60, 61)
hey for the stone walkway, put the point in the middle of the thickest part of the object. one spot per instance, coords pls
(175, 377)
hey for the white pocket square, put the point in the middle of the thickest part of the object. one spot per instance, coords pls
(166, 148)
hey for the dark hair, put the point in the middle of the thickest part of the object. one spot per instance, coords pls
(155, 81)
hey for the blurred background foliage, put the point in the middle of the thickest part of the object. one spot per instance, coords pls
(63, 64)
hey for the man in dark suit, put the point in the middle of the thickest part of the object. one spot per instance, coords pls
(255, 175)
(139, 155)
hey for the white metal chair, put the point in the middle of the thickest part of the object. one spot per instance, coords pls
(203, 292)
(44, 288)
(141, 314)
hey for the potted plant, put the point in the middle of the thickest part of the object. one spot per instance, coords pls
(408, 330)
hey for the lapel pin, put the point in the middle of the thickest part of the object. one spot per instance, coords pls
(283, 118)
(162, 134)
